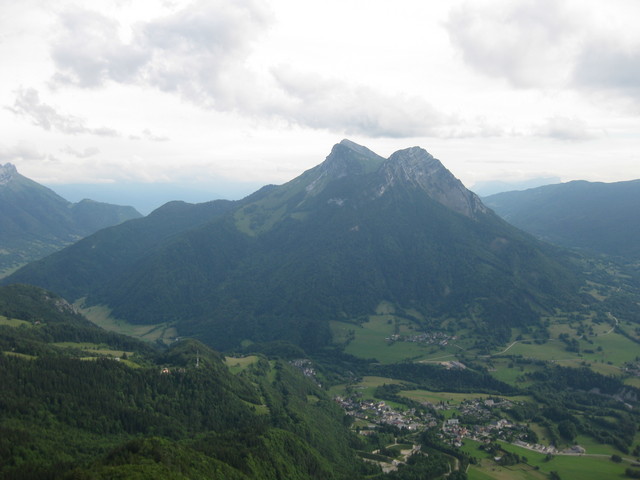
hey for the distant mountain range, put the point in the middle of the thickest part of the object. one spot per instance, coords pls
(593, 216)
(492, 187)
(333, 243)
(35, 221)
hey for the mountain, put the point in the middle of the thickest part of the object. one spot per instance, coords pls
(594, 216)
(35, 221)
(333, 243)
(491, 187)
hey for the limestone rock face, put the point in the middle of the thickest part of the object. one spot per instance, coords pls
(415, 166)
(7, 172)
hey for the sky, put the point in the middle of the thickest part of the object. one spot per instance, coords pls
(214, 98)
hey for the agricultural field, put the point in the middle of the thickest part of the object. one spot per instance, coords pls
(365, 387)
(238, 364)
(452, 398)
(606, 355)
(14, 322)
(94, 349)
(374, 339)
(538, 466)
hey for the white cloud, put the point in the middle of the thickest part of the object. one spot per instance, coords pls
(28, 104)
(317, 102)
(608, 64)
(149, 135)
(86, 153)
(89, 51)
(552, 44)
(564, 128)
(525, 42)
(20, 152)
(187, 52)
(200, 53)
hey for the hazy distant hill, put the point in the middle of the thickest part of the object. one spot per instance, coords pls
(35, 221)
(333, 243)
(600, 217)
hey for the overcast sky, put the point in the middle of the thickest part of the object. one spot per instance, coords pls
(234, 91)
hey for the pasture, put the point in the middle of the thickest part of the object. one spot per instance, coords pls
(101, 316)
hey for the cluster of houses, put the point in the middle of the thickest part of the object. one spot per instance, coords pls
(379, 413)
(476, 419)
(480, 419)
(431, 338)
(453, 431)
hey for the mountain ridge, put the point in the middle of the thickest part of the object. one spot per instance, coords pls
(35, 221)
(594, 216)
(281, 263)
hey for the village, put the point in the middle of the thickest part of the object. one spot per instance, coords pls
(379, 413)
(479, 419)
(432, 338)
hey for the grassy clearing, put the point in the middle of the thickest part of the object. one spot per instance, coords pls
(453, 398)
(9, 270)
(508, 371)
(438, 397)
(20, 355)
(366, 387)
(488, 469)
(14, 322)
(101, 316)
(238, 364)
(583, 467)
(368, 340)
(614, 350)
(94, 348)
(633, 382)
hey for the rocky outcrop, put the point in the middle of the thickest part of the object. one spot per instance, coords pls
(7, 173)
(416, 167)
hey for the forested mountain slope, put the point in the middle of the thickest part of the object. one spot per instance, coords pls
(35, 221)
(78, 402)
(593, 216)
(333, 243)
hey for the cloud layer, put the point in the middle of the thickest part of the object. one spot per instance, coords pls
(200, 53)
(28, 104)
(547, 44)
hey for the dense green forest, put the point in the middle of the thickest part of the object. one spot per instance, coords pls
(81, 403)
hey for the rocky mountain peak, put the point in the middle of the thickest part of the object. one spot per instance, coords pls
(346, 159)
(416, 167)
(7, 172)
(349, 158)
(357, 148)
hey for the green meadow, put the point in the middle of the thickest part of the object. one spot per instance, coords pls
(101, 316)
(14, 322)
(583, 467)
(615, 349)
(369, 340)
(453, 398)
(238, 364)
(93, 349)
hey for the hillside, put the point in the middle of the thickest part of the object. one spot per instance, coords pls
(35, 221)
(592, 216)
(331, 244)
(78, 402)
